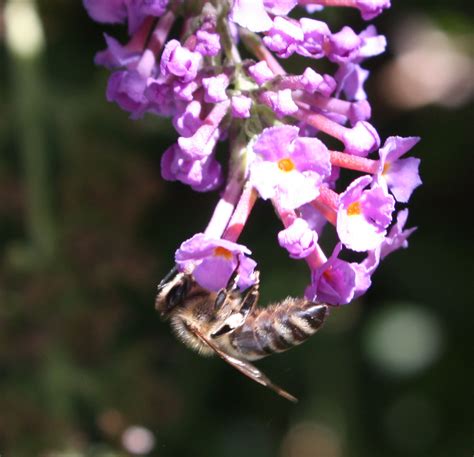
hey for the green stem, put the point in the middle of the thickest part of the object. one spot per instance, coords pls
(26, 91)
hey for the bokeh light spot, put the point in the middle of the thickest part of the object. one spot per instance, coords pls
(403, 339)
(138, 440)
(310, 439)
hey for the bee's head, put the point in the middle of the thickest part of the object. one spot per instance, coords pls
(172, 292)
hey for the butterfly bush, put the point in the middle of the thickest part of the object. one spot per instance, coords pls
(217, 69)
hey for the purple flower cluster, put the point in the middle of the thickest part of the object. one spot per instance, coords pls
(183, 61)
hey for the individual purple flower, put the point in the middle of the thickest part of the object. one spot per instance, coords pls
(315, 38)
(202, 175)
(364, 214)
(184, 91)
(334, 282)
(400, 175)
(310, 82)
(281, 102)
(346, 46)
(251, 15)
(288, 168)
(371, 8)
(350, 75)
(284, 37)
(187, 122)
(212, 262)
(372, 44)
(128, 87)
(215, 88)
(208, 43)
(201, 144)
(240, 105)
(261, 72)
(179, 61)
(368, 8)
(350, 79)
(108, 11)
(116, 55)
(343, 45)
(361, 139)
(160, 95)
(138, 10)
(298, 239)
(280, 7)
(397, 236)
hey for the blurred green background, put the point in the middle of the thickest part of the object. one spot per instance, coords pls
(88, 228)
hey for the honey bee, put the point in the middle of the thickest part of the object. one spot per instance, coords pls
(228, 322)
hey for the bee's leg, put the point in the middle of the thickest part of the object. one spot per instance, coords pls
(234, 279)
(169, 276)
(237, 318)
(230, 287)
(250, 298)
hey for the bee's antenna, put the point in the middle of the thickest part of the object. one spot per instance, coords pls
(168, 278)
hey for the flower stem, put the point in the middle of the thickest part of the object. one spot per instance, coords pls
(241, 213)
(224, 209)
(27, 96)
(161, 32)
(353, 162)
(320, 122)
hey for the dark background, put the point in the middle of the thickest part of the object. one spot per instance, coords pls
(88, 228)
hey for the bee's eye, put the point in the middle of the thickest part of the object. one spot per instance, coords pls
(176, 295)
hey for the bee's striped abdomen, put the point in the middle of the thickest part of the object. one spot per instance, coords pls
(278, 327)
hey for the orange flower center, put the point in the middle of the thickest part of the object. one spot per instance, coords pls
(354, 209)
(328, 274)
(219, 251)
(286, 164)
(386, 167)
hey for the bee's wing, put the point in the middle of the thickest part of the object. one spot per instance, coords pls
(244, 367)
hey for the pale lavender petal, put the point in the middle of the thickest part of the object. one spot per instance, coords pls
(264, 176)
(251, 14)
(215, 88)
(361, 139)
(273, 143)
(214, 272)
(280, 7)
(403, 178)
(311, 154)
(294, 189)
(397, 236)
(240, 105)
(107, 11)
(261, 72)
(298, 239)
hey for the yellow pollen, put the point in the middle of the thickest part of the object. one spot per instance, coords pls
(219, 251)
(386, 167)
(354, 209)
(286, 164)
